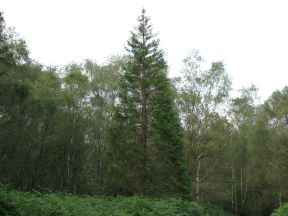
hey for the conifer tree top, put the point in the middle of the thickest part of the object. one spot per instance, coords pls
(143, 45)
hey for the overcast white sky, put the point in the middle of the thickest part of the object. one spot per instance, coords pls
(251, 36)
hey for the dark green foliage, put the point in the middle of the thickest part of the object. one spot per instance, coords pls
(215, 211)
(114, 129)
(13, 203)
(49, 129)
(146, 148)
(282, 211)
(13, 50)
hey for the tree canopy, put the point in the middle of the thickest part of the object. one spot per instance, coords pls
(125, 128)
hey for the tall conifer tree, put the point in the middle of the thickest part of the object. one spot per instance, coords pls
(145, 141)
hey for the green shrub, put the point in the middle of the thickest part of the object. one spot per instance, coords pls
(212, 210)
(283, 211)
(14, 203)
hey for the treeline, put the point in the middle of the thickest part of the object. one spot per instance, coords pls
(124, 128)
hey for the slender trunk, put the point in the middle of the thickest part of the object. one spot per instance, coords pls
(100, 174)
(144, 135)
(69, 153)
(37, 174)
(144, 119)
(68, 169)
(189, 162)
(280, 194)
(198, 181)
(280, 199)
(235, 195)
(241, 181)
(234, 192)
(232, 189)
(144, 123)
(245, 193)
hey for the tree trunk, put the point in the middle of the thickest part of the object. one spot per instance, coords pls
(234, 192)
(280, 199)
(232, 189)
(144, 124)
(144, 119)
(144, 135)
(198, 180)
(68, 169)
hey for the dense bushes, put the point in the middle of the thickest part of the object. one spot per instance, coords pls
(283, 211)
(14, 203)
(212, 210)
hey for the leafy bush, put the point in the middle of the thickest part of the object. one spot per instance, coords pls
(14, 203)
(215, 211)
(283, 211)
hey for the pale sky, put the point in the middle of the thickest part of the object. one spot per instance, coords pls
(250, 36)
